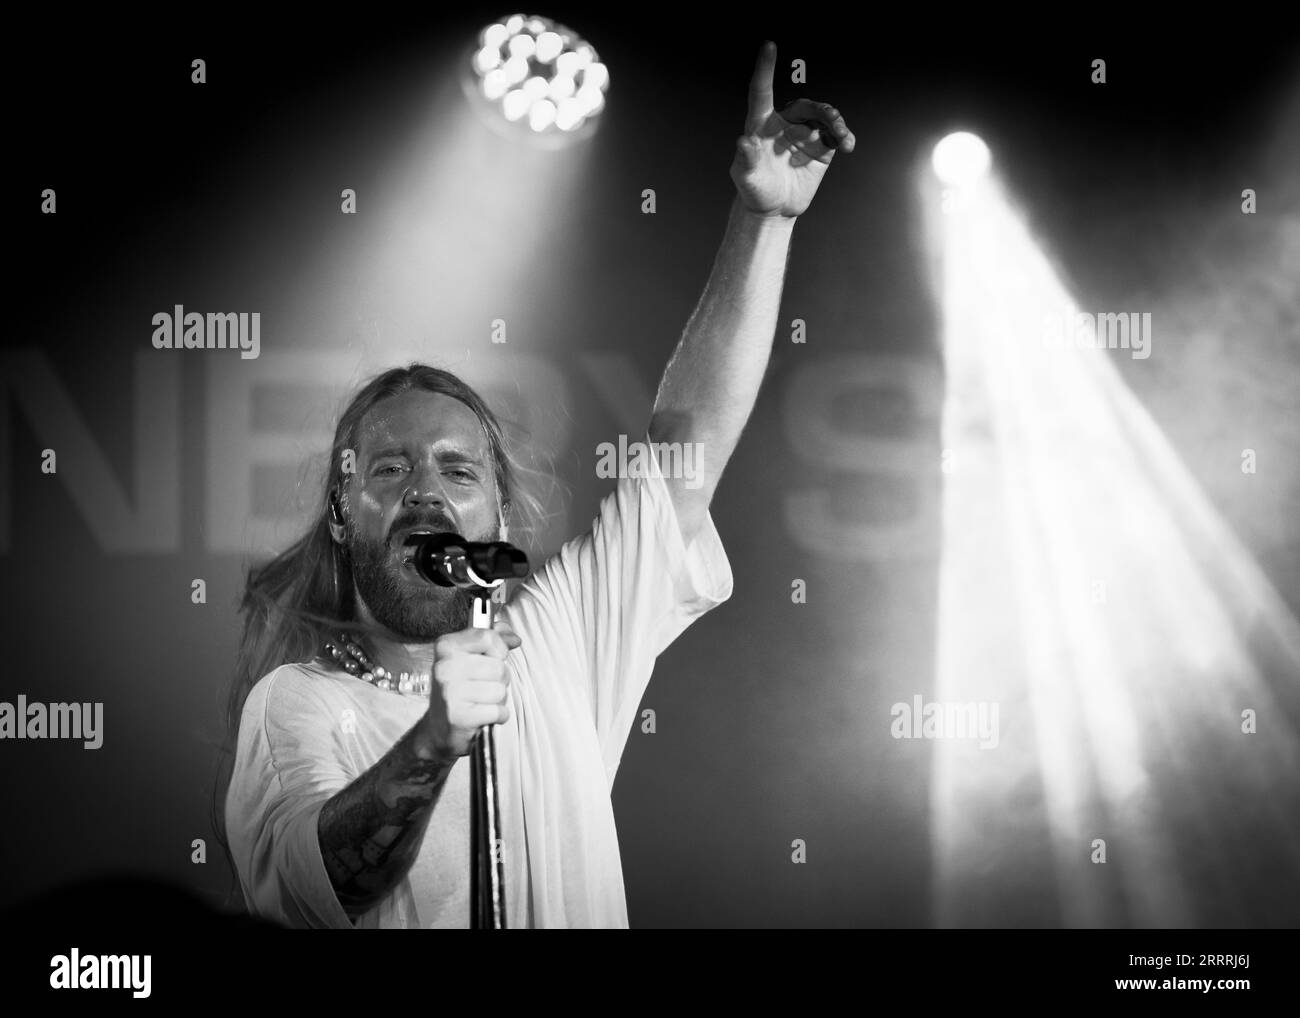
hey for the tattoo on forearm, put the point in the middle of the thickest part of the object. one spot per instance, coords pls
(371, 831)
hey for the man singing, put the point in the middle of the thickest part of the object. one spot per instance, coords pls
(348, 805)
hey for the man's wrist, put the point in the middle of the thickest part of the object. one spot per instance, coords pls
(761, 221)
(428, 748)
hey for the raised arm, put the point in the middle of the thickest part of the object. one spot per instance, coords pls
(711, 382)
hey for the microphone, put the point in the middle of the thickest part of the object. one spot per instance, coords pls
(449, 560)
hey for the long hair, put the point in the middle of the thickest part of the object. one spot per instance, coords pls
(293, 603)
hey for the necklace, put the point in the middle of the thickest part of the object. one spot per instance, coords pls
(352, 659)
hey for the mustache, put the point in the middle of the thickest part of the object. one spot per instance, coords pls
(434, 522)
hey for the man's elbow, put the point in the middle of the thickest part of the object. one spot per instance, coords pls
(692, 509)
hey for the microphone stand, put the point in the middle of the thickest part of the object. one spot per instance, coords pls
(487, 873)
(449, 560)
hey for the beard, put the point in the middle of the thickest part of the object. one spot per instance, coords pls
(410, 608)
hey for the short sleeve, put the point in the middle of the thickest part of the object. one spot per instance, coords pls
(610, 601)
(288, 763)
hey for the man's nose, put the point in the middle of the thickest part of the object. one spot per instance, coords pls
(425, 489)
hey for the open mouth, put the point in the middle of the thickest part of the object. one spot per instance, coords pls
(406, 550)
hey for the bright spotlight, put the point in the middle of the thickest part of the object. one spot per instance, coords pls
(541, 115)
(961, 158)
(533, 73)
(515, 104)
(561, 88)
(522, 46)
(1091, 591)
(487, 58)
(549, 46)
(495, 84)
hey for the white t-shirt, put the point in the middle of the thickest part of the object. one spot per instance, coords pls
(592, 621)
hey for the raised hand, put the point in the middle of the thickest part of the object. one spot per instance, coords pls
(782, 156)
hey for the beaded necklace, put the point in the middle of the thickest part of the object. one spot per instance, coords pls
(349, 656)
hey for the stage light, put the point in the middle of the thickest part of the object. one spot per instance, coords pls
(536, 89)
(522, 46)
(537, 79)
(515, 104)
(590, 100)
(1091, 590)
(961, 158)
(568, 63)
(495, 84)
(541, 115)
(561, 88)
(516, 70)
(569, 112)
(549, 46)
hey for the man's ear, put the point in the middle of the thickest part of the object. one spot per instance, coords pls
(335, 518)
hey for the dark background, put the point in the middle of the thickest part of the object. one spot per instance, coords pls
(772, 719)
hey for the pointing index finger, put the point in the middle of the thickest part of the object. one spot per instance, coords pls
(760, 87)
